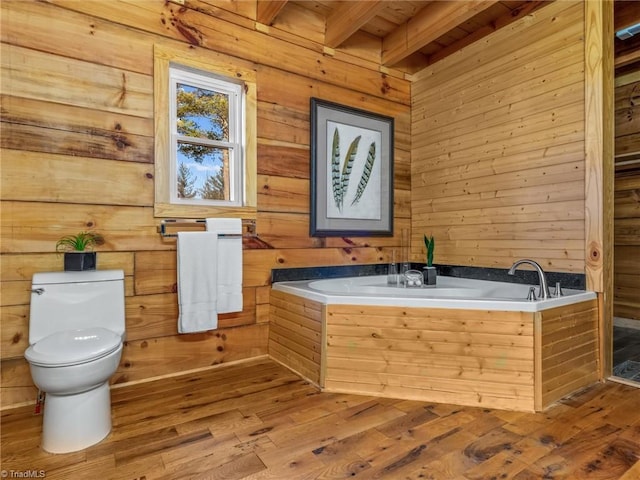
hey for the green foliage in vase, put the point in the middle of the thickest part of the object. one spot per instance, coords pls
(430, 245)
(80, 242)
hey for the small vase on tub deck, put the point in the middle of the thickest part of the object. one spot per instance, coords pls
(429, 272)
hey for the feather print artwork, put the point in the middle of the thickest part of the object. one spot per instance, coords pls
(348, 165)
(335, 170)
(366, 172)
(353, 173)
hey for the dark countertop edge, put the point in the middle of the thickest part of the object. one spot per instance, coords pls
(576, 281)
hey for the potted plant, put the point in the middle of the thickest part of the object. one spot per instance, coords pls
(429, 271)
(78, 250)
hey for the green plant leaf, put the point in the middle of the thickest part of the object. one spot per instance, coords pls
(430, 245)
(79, 242)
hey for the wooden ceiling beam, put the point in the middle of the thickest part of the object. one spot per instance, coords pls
(348, 19)
(268, 10)
(627, 51)
(501, 22)
(427, 25)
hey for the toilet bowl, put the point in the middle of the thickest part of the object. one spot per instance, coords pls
(78, 403)
(76, 332)
(75, 361)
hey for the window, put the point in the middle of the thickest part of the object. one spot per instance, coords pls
(206, 138)
(205, 115)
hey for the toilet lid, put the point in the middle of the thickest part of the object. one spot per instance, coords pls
(73, 347)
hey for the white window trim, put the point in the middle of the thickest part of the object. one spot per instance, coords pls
(223, 66)
(235, 145)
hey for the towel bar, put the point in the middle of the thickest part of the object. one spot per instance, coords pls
(176, 223)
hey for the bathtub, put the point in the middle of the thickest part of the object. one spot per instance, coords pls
(465, 342)
(449, 292)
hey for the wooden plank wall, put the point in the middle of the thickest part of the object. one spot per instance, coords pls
(77, 154)
(627, 197)
(569, 350)
(465, 357)
(296, 334)
(498, 152)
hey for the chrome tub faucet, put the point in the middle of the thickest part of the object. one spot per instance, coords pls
(544, 286)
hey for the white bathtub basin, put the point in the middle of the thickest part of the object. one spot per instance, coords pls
(449, 292)
(376, 286)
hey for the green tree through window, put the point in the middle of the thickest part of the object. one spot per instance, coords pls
(213, 188)
(202, 114)
(185, 182)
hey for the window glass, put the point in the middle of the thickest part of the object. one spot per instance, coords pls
(205, 115)
(206, 138)
(202, 113)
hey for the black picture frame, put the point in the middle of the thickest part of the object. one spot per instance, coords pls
(351, 178)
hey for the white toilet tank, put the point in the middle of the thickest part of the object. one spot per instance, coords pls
(72, 300)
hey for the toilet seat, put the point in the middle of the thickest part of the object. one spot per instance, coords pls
(73, 347)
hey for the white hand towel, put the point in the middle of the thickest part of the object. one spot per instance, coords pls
(197, 281)
(229, 263)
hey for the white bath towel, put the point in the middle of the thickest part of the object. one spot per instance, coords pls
(229, 262)
(197, 281)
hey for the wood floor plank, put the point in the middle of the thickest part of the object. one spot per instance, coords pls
(449, 466)
(503, 462)
(615, 458)
(256, 420)
(412, 418)
(300, 467)
(329, 429)
(632, 473)
(355, 447)
(214, 458)
(414, 444)
(220, 422)
(103, 466)
(556, 434)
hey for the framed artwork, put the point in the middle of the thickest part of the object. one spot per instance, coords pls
(351, 171)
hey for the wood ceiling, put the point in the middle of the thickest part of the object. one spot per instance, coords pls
(627, 52)
(413, 34)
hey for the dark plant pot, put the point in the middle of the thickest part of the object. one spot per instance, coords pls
(429, 274)
(79, 261)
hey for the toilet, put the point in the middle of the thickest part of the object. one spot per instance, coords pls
(76, 330)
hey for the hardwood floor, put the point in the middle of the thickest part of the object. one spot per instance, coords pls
(257, 420)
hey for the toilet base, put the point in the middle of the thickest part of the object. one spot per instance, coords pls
(75, 422)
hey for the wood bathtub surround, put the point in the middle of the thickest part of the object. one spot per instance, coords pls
(568, 353)
(441, 355)
(509, 360)
(297, 335)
